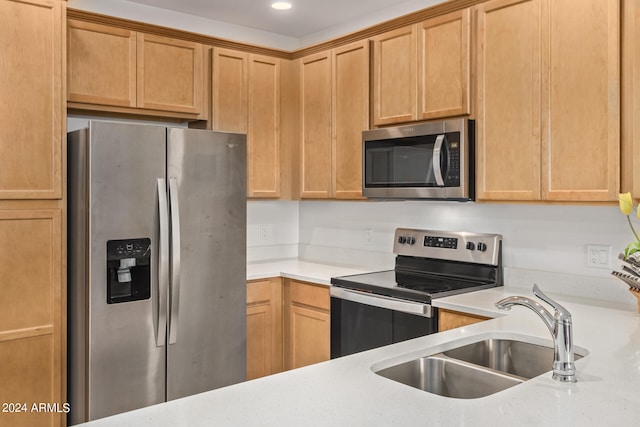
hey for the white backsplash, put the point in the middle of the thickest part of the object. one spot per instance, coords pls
(272, 230)
(546, 244)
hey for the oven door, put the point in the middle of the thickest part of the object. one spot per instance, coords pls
(361, 321)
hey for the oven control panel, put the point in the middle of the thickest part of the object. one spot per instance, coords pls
(440, 242)
(478, 248)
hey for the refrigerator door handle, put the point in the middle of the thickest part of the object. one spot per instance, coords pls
(163, 262)
(175, 262)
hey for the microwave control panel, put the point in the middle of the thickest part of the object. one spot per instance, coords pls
(452, 177)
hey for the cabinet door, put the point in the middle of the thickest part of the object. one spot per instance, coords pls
(394, 76)
(631, 155)
(454, 319)
(508, 125)
(101, 64)
(315, 110)
(264, 328)
(229, 90)
(32, 107)
(31, 335)
(263, 133)
(581, 143)
(169, 74)
(307, 324)
(350, 117)
(444, 56)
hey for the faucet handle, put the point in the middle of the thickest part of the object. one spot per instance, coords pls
(562, 312)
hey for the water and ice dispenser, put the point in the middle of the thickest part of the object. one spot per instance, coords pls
(128, 270)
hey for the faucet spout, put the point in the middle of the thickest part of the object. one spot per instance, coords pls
(535, 306)
(561, 328)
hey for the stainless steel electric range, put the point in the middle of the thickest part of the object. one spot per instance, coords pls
(380, 308)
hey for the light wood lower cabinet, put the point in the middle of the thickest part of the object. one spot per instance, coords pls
(264, 327)
(32, 361)
(288, 325)
(306, 324)
(448, 319)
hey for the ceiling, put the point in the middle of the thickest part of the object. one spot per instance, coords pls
(304, 18)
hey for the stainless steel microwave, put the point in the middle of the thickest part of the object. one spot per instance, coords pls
(433, 160)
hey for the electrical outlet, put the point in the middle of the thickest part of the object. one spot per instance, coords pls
(368, 236)
(599, 256)
(266, 232)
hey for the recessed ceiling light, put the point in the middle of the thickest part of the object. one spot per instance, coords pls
(281, 5)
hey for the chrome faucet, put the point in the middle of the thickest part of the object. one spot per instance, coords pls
(560, 326)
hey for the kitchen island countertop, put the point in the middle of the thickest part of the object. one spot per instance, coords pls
(346, 391)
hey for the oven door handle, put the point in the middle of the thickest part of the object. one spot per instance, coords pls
(419, 309)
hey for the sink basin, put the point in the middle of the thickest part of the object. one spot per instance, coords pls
(518, 358)
(449, 377)
(475, 370)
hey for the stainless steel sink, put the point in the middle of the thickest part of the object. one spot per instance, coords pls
(475, 370)
(518, 358)
(449, 378)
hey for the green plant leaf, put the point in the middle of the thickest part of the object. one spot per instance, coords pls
(631, 249)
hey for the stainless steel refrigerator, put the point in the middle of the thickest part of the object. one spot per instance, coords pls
(157, 265)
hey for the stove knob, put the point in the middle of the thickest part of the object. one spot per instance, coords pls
(471, 246)
(411, 240)
(402, 240)
(482, 246)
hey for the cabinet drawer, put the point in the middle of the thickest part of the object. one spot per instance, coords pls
(311, 295)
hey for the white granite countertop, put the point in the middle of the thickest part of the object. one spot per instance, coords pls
(301, 270)
(346, 391)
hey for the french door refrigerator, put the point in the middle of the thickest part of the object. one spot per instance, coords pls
(157, 265)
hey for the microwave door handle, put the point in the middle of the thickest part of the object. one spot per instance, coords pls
(437, 150)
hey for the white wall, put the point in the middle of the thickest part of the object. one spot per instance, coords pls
(539, 237)
(272, 230)
(546, 244)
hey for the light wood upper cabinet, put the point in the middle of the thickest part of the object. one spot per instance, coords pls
(123, 71)
(581, 142)
(101, 65)
(306, 324)
(246, 99)
(315, 110)
(422, 71)
(230, 90)
(395, 76)
(32, 107)
(630, 156)
(508, 109)
(443, 65)
(350, 117)
(263, 133)
(169, 74)
(334, 112)
(548, 100)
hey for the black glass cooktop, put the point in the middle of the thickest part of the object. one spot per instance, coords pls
(414, 286)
